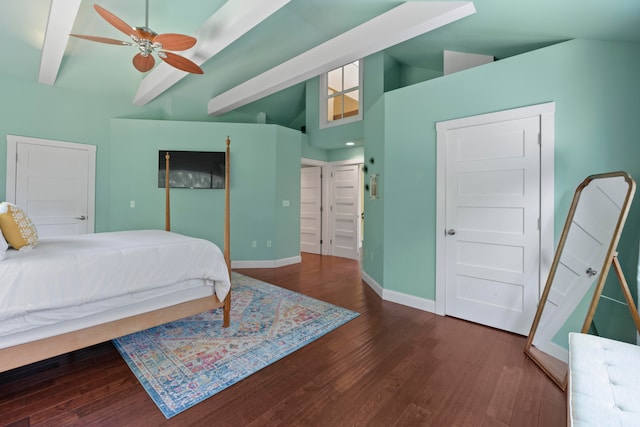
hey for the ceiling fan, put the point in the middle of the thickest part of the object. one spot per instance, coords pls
(148, 41)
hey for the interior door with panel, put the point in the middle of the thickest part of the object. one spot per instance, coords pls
(53, 182)
(492, 223)
(311, 209)
(344, 215)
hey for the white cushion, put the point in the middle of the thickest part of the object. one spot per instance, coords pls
(604, 382)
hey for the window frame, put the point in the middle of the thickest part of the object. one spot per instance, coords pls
(324, 98)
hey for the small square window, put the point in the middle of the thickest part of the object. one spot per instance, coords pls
(341, 95)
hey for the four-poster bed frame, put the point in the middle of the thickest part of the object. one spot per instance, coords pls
(33, 351)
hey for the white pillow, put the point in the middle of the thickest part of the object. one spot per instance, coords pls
(3, 246)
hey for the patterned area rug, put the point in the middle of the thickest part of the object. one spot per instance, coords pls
(184, 362)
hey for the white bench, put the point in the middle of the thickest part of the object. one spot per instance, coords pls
(604, 382)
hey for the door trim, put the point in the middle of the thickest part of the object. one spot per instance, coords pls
(324, 247)
(547, 151)
(306, 246)
(12, 152)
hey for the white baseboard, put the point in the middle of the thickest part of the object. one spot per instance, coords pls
(372, 283)
(267, 264)
(399, 297)
(409, 300)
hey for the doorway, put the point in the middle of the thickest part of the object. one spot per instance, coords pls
(311, 209)
(495, 216)
(54, 182)
(331, 208)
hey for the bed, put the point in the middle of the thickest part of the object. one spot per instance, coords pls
(113, 284)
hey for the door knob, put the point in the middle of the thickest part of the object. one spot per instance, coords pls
(451, 232)
(81, 217)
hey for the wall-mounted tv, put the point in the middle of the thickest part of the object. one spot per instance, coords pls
(192, 169)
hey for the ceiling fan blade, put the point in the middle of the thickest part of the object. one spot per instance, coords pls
(143, 63)
(180, 62)
(175, 41)
(116, 22)
(101, 39)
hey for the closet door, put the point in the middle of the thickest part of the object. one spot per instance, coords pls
(54, 182)
(492, 214)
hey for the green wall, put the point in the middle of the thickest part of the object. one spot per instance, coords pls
(595, 86)
(355, 154)
(379, 70)
(309, 152)
(265, 170)
(597, 92)
(335, 137)
(41, 111)
(286, 240)
(262, 151)
(331, 137)
(373, 247)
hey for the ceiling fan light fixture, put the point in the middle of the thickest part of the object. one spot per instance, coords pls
(144, 33)
(148, 41)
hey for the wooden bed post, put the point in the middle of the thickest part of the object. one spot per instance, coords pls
(227, 231)
(227, 227)
(167, 208)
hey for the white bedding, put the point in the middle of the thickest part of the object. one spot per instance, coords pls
(85, 270)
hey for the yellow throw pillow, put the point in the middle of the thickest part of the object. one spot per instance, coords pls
(16, 226)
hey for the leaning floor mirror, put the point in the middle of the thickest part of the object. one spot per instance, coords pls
(586, 251)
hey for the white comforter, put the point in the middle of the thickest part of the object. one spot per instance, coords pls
(69, 271)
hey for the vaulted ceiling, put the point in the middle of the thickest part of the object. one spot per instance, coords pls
(256, 53)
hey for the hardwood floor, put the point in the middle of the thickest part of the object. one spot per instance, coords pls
(391, 366)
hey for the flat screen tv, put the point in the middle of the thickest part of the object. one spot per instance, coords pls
(192, 169)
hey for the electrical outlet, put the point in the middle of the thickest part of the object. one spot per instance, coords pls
(268, 243)
(132, 204)
(254, 244)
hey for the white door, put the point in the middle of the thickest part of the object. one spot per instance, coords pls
(492, 214)
(54, 183)
(344, 211)
(311, 209)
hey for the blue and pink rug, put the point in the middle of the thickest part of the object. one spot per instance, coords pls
(184, 362)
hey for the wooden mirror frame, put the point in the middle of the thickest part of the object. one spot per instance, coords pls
(557, 369)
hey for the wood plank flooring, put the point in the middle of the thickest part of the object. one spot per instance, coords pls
(391, 366)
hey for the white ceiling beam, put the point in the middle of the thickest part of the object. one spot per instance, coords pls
(401, 23)
(228, 24)
(62, 15)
